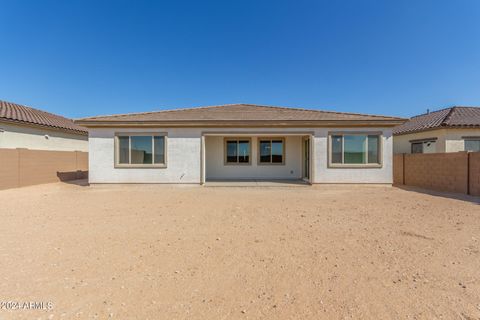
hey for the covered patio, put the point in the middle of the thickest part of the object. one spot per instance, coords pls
(256, 158)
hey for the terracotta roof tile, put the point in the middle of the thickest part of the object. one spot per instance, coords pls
(445, 118)
(15, 112)
(237, 112)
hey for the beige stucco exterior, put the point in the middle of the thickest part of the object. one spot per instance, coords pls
(196, 154)
(448, 140)
(454, 138)
(217, 169)
(38, 138)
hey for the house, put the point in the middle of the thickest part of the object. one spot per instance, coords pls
(26, 127)
(39, 147)
(448, 130)
(240, 141)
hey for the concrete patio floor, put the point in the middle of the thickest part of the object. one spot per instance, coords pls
(257, 183)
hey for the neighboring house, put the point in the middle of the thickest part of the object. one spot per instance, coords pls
(25, 127)
(448, 130)
(39, 147)
(240, 141)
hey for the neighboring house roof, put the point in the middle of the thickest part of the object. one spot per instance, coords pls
(236, 114)
(13, 112)
(453, 117)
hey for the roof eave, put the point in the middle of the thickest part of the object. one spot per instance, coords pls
(243, 123)
(43, 126)
(466, 126)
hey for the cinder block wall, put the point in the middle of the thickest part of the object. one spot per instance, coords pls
(475, 173)
(23, 167)
(8, 168)
(437, 171)
(452, 172)
(398, 169)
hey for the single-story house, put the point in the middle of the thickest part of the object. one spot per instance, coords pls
(448, 130)
(39, 147)
(29, 128)
(240, 141)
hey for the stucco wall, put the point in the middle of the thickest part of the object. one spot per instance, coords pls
(216, 168)
(184, 157)
(402, 143)
(21, 136)
(449, 140)
(454, 139)
(323, 174)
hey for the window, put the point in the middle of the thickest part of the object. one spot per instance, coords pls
(140, 150)
(423, 146)
(237, 151)
(355, 149)
(417, 147)
(271, 151)
(472, 145)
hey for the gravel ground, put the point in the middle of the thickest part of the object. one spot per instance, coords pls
(191, 252)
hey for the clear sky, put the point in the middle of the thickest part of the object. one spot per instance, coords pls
(84, 58)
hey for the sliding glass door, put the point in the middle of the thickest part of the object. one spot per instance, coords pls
(306, 158)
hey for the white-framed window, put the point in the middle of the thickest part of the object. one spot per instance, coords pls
(271, 151)
(351, 149)
(472, 144)
(140, 150)
(237, 151)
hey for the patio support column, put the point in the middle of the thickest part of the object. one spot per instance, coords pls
(312, 159)
(202, 160)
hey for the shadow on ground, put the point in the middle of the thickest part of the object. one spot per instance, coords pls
(77, 182)
(449, 195)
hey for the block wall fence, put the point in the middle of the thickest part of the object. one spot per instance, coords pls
(24, 167)
(457, 172)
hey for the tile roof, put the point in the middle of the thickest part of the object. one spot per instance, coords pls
(13, 112)
(236, 112)
(446, 118)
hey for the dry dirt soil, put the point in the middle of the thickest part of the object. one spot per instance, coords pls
(191, 252)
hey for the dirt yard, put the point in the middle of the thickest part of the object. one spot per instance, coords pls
(191, 252)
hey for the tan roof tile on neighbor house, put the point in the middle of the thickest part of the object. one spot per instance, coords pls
(13, 112)
(453, 117)
(237, 113)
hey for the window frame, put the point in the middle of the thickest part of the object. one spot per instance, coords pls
(355, 165)
(422, 141)
(284, 151)
(237, 139)
(139, 165)
(415, 143)
(469, 138)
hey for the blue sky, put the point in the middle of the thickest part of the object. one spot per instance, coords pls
(84, 58)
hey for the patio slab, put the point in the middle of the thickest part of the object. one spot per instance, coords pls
(257, 183)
